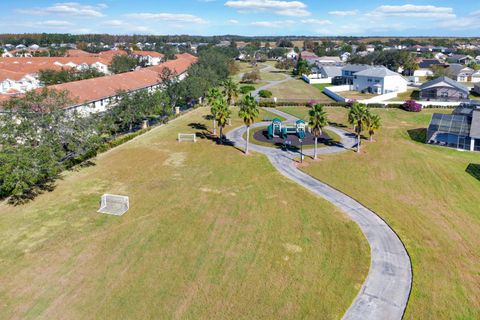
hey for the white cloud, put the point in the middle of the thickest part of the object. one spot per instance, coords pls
(53, 23)
(343, 13)
(410, 10)
(273, 24)
(168, 17)
(233, 21)
(284, 8)
(67, 9)
(471, 21)
(114, 23)
(317, 22)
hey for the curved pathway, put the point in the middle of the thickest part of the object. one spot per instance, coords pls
(271, 83)
(385, 292)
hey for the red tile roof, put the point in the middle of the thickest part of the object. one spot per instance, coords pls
(148, 53)
(12, 75)
(27, 65)
(95, 89)
(80, 53)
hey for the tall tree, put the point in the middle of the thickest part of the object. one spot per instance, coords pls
(248, 112)
(230, 90)
(123, 63)
(357, 116)
(372, 124)
(318, 120)
(223, 113)
(213, 97)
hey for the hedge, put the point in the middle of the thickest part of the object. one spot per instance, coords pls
(246, 89)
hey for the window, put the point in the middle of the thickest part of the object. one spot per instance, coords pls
(369, 80)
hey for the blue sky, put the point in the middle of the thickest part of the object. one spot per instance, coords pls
(245, 17)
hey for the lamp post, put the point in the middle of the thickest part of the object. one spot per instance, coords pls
(301, 150)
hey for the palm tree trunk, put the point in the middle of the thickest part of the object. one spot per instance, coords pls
(248, 138)
(221, 134)
(214, 126)
(315, 152)
(358, 142)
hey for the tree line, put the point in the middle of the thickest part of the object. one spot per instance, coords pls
(40, 137)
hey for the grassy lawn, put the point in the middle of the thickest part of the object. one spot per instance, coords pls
(321, 86)
(426, 195)
(298, 89)
(411, 94)
(210, 234)
(356, 95)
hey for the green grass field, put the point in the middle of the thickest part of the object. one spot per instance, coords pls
(297, 89)
(210, 234)
(321, 86)
(426, 195)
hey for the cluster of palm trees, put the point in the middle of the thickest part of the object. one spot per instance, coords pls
(363, 120)
(220, 102)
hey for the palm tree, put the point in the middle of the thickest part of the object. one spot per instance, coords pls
(213, 96)
(230, 89)
(357, 116)
(372, 124)
(248, 112)
(223, 113)
(318, 120)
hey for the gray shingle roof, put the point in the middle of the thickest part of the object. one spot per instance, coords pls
(356, 67)
(332, 71)
(455, 69)
(446, 80)
(475, 126)
(377, 72)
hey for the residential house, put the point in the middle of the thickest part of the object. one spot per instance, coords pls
(150, 58)
(345, 56)
(459, 72)
(476, 89)
(96, 94)
(459, 130)
(425, 67)
(329, 60)
(440, 56)
(460, 58)
(477, 59)
(379, 80)
(310, 57)
(291, 54)
(12, 83)
(350, 69)
(323, 74)
(443, 89)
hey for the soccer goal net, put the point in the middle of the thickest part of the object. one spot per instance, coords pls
(114, 204)
(187, 137)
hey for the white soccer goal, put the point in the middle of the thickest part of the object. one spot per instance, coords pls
(114, 204)
(187, 137)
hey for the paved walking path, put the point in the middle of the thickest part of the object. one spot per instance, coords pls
(271, 83)
(385, 292)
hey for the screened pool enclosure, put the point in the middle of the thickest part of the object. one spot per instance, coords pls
(455, 130)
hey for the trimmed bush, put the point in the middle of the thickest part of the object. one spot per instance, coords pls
(265, 94)
(412, 106)
(246, 89)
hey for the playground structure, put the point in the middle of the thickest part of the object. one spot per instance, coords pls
(277, 129)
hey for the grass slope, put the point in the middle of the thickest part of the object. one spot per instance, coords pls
(297, 89)
(210, 234)
(426, 194)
